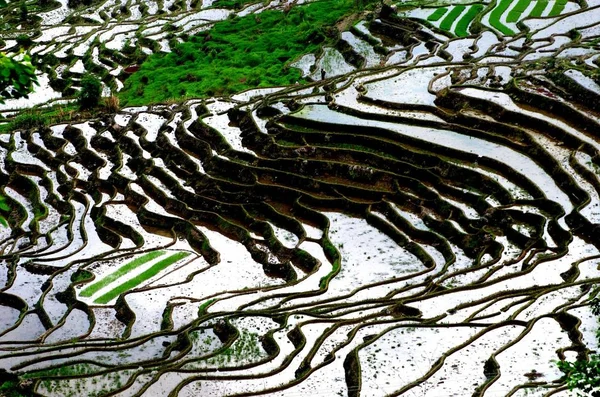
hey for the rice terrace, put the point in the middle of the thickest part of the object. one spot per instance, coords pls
(299, 198)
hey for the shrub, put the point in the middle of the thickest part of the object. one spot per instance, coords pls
(91, 90)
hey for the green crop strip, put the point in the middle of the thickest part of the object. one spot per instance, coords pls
(559, 6)
(539, 8)
(437, 14)
(495, 15)
(237, 54)
(463, 23)
(451, 17)
(134, 282)
(233, 4)
(92, 289)
(515, 14)
(3, 207)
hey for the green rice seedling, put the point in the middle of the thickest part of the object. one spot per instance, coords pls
(539, 8)
(515, 14)
(497, 13)
(92, 289)
(437, 14)
(558, 8)
(448, 21)
(467, 18)
(134, 282)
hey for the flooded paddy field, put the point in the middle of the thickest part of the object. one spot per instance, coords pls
(417, 215)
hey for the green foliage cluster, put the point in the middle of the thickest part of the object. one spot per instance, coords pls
(11, 388)
(584, 376)
(91, 91)
(16, 77)
(237, 54)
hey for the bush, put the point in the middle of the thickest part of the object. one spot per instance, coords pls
(91, 90)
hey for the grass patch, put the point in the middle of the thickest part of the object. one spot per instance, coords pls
(134, 282)
(463, 23)
(451, 17)
(92, 289)
(237, 54)
(437, 14)
(43, 117)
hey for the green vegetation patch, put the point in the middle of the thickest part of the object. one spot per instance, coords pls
(437, 14)
(149, 273)
(497, 13)
(237, 54)
(36, 118)
(4, 207)
(559, 6)
(66, 370)
(539, 8)
(465, 21)
(515, 14)
(246, 347)
(448, 21)
(233, 4)
(92, 289)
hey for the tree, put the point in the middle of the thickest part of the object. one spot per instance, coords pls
(584, 376)
(91, 91)
(16, 77)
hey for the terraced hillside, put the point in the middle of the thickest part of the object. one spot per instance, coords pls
(421, 220)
